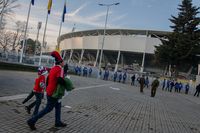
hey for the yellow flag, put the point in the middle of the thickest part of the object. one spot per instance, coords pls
(49, 6)
(57, 49)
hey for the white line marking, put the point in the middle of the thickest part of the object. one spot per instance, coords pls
(7, 98)
(68, 107)
(21, 96)
(94, 86)
(117, 89)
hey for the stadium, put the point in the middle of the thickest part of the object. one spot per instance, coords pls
(121, 46)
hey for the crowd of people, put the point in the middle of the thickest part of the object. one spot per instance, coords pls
(83, 70)
(170, 85)
(137, 80)
(143, 81)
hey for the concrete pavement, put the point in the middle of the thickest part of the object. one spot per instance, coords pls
(98, 106)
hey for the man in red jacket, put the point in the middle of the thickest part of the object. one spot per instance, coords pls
(55, 77)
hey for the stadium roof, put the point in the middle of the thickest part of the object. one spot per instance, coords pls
(97, 32)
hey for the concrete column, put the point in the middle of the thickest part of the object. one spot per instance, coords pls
(97, 56)
(122, 59)
(82, 52)
(70, 57)
(118, 57)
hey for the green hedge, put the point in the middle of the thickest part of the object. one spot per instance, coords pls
(17, 67)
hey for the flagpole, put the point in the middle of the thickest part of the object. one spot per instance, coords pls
(60, 28)
(62, 20)
(22, 51)
(43, 38)
(58, 46)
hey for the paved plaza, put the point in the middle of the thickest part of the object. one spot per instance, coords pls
(98, 106)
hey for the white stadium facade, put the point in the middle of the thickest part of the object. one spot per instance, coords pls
(121, 46)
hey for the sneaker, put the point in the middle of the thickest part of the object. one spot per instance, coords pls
(31, 125)
(28, 110)
(61, 124)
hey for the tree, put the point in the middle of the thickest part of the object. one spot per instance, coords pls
(5, 40)
(6, 8)
(184, 42)
(30, 46)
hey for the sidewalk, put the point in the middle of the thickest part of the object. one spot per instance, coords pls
(105, 107)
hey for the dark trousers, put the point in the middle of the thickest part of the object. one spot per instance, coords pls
(153, 91)
(132, 82)
(167, 88)
(171, 88)
(36, 103)
(197, 93)
(51, 103)
(163, 87)
(141, 87)
(31, 94)
(186, 91)
(124, 81)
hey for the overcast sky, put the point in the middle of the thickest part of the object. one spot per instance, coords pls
(87, 14)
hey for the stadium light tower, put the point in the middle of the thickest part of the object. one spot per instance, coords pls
(108, 7)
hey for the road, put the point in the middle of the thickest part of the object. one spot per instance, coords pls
(98, 106)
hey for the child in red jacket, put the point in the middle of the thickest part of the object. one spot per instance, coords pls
(38, 90)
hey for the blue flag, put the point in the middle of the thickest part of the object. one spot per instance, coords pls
(32, 2)
(64, 12)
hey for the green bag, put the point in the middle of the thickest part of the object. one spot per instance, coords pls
(60, 91)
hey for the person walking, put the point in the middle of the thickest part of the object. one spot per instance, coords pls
(180, 87)
(55, 77)
(154, 87)
(187, 87)
(142, 83)
(90, 72)
(115, 76)
(197, 90)
(163, 85)
(168, 85)
(171, 85)
(124, 77)
(176, 87)
(147, 82)
(120, 77)
(85, 71)
(133, 79)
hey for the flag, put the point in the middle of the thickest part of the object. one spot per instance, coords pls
(57, 49)
(49, 6)
(32, 2)
(64, 12)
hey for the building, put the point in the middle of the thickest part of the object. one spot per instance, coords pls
(121, 46)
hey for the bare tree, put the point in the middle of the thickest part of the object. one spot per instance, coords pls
(5, 40)
(6, 8)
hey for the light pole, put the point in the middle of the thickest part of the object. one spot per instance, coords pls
(108, 7)
(38, 28)
(22, 52)
(144, 53)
